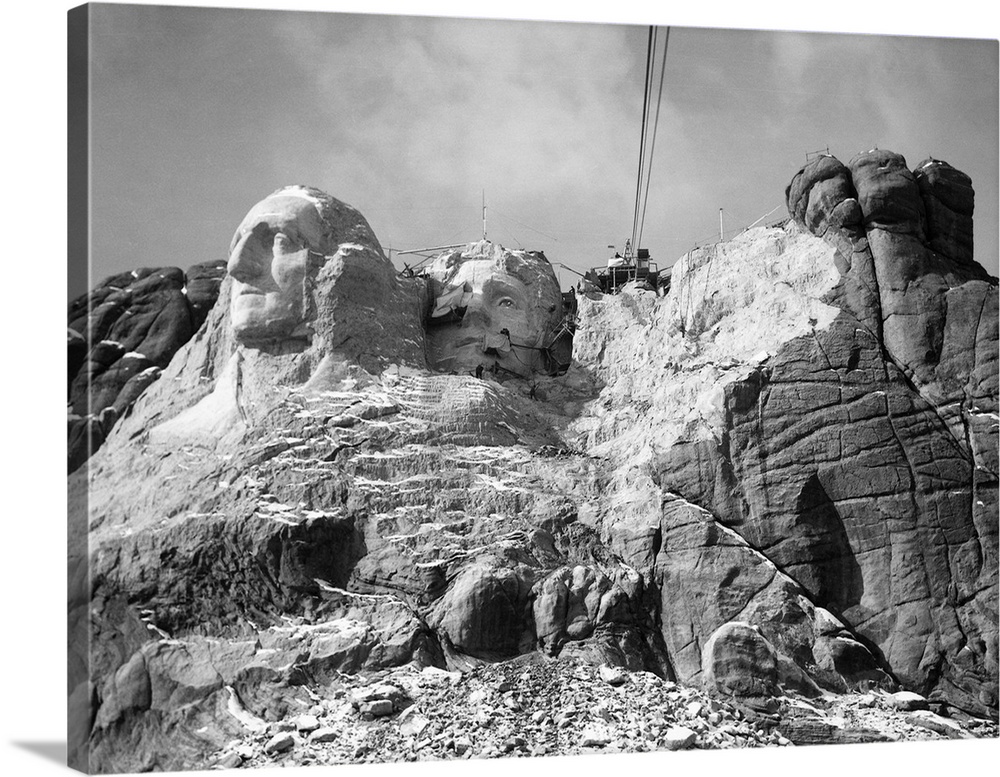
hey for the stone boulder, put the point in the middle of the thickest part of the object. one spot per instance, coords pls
(948, 201)
(823, 195)
(738, 661)
(486, 612)
(887, 193)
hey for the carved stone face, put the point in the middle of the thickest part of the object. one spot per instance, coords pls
(269, 261)
(476, 302)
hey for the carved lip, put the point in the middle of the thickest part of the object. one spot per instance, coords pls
(249, 291)
(467, 341)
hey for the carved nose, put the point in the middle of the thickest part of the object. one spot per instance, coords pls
(246, 262)
(476, 315)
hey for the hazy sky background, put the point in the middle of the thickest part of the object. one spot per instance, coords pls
(199, 113)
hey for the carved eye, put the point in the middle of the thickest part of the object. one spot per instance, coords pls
(506, 302)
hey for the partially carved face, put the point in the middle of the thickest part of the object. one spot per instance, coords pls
(269, 261)
(486, 315)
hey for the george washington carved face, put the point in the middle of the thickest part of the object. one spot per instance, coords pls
(492, 307)
(269, 262)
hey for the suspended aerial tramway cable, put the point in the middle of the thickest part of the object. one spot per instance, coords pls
(647, 143)
(652, 145)
(642, 136)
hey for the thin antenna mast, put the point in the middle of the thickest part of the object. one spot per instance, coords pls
(484, 214)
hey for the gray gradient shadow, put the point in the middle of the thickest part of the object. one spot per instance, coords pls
(50, 751)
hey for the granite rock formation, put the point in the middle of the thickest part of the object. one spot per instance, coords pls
(121, 336)
(774, 483)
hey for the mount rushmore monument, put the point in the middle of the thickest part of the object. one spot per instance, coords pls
(345, 514)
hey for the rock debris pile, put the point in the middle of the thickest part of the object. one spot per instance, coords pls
(535, 706)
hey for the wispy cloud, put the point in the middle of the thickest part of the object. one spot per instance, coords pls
(441, 109)
(411, 119)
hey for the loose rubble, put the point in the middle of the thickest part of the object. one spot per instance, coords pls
(536, 706)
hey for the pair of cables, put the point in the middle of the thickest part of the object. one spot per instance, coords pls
(647, 138)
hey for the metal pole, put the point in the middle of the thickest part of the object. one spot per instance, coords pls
(720, 225)
(484, 214)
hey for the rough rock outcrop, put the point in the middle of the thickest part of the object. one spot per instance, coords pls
(930, 315)
(121, 335)
(764, 484)
(850, 441)
(709, 578)
(859, 456)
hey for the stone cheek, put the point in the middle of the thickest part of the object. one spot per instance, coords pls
(272, 316)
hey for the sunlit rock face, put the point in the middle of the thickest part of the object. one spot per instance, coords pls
(269, 260)
(292, 259)
(494, 308)
(860, 456)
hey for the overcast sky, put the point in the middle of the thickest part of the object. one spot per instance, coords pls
(198, 113)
